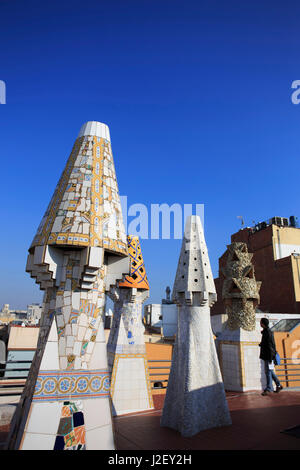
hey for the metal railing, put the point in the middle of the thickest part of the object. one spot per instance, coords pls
(158, 384)
(13, 383)
(286, 370)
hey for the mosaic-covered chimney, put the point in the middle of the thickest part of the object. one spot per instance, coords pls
(240, 288)
(127, 358)
(195, 398)
(77, 254)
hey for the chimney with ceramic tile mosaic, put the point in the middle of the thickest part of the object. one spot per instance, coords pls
(79, 252)
(127, 360)
(195, 398)
(239, 341)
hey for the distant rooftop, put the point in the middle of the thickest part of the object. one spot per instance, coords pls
(292, 221)
(286, 325)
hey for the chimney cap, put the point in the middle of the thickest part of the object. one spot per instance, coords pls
(95, 128)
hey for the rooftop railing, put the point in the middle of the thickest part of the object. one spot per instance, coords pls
(159, 382)
(13, 385)
(287, 372)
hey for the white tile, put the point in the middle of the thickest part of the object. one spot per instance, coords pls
(74, 329)
(143, 403)
(76, 300)
(60, 321)
(118, 395)
(38, 441)
(68, 330)
(81, 332)
(44, 418)
(90, 347)
(77, 348)
(88, 334)
(62, 346)
(98, 359)
(59, 301)
(126, 394)
(100, 338)
(96, 413)
(120, 406)
(95, 257)
(66, 313)
(144, 394)
(77, 364)
(50, 357)
(70, 341)
(83, 319)
(63, 363)
(53, 332)
(100, 439)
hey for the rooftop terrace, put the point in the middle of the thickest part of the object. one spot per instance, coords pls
(257, 424)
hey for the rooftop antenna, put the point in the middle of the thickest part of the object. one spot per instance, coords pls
(242, 220)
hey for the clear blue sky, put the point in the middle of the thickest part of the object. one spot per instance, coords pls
(197, 95)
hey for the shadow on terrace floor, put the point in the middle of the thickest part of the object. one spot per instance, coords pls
(257, 423)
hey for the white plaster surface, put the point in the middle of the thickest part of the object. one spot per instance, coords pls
(283, 249)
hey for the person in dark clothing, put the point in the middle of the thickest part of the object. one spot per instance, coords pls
(267, 354)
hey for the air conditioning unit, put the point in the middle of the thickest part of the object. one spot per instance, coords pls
(276, 221)
(285, 222)
(293, 221)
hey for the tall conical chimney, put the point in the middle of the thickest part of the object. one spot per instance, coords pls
(127, 358)
(195, 398)
(78, 253)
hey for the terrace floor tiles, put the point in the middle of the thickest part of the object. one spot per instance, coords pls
(257, 423)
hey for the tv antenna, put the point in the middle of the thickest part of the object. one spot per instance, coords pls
(242, 220)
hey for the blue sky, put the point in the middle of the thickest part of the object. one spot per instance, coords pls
(197, 95)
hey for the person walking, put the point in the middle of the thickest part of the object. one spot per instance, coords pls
(267, 354)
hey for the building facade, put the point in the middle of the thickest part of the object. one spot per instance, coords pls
(276, 258)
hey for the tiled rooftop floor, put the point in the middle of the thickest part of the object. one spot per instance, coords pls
(256, 425)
